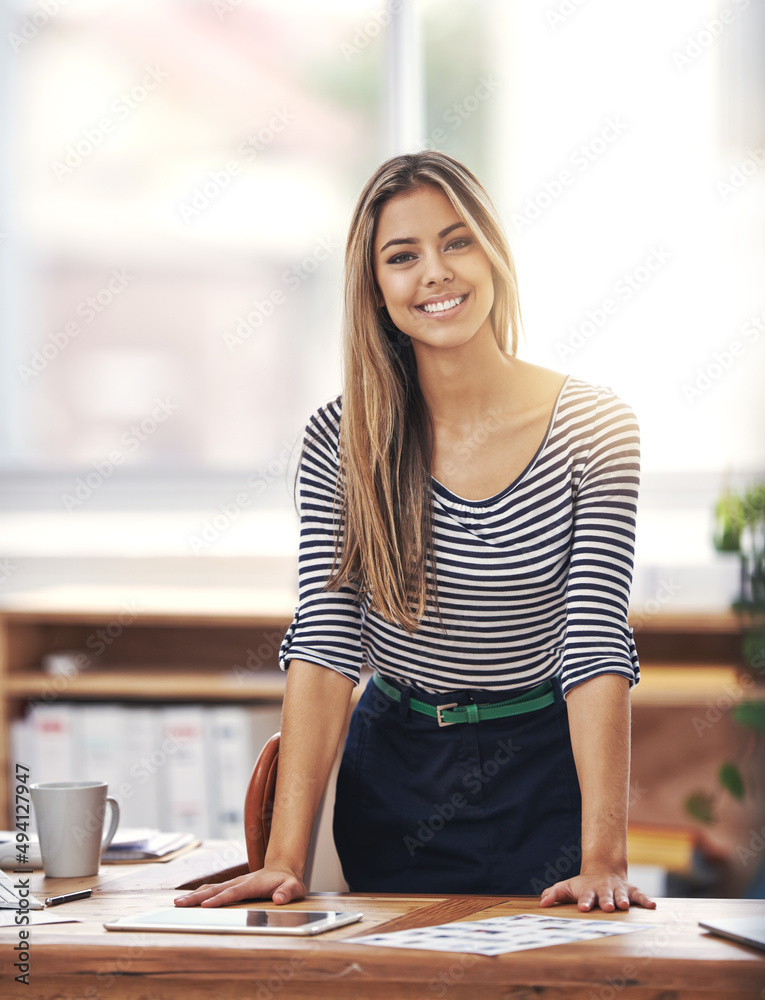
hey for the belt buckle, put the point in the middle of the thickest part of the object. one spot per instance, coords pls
(442, 708)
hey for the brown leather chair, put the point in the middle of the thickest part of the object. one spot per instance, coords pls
(259, 803)
(258, 811)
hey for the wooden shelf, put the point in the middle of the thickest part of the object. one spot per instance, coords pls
(701, 639)
(166, 605)
(141, 644)
(176, 645)
(164, 685)
(665, 685)
(716, 622)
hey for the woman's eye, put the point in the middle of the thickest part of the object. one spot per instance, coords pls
(401, 258)
(458, 244)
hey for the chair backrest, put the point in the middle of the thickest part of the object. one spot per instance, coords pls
(259, 803)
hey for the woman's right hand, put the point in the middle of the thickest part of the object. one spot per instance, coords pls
(280, 884)
(309, 741)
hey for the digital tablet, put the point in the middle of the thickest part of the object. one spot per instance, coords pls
(745, 930)
(225, 920)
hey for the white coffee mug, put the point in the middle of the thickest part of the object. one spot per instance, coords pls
(70, 823)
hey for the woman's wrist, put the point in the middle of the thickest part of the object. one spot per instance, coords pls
(285, 863)
(605, 860)
(605, 849)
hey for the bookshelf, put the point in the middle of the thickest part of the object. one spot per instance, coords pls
(148, 645)
(221, 645)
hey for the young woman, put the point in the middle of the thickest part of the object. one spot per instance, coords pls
(467, 530)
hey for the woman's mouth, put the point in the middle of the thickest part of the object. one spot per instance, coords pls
(442, 308)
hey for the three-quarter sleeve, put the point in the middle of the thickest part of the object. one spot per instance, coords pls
(599, 639)
(326, 627)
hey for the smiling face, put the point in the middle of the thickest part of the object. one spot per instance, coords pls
(433, 275)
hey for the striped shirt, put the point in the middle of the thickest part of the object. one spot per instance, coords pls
(532, 583)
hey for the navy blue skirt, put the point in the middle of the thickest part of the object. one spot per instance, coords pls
(479, 808)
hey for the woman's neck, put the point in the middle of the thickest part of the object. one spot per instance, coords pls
(461, 384)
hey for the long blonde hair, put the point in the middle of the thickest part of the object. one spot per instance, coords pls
(384, 486)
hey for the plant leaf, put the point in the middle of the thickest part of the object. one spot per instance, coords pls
(750, 715)
(730, 778)
(699, 805)
(754, 649)
(729, 520)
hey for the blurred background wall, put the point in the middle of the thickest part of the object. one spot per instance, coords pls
(176, 182)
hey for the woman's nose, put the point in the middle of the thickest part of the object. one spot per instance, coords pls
(436, 270)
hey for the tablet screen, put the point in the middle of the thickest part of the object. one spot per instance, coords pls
(223, 920)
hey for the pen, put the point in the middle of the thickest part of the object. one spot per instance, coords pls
(68, 897)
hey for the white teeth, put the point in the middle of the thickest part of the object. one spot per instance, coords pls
(433, 307)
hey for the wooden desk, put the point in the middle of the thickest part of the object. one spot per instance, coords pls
(82, 960)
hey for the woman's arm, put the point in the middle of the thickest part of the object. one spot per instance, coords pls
(599, 721)
(313, 717)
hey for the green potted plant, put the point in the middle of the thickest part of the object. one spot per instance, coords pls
(740, 529)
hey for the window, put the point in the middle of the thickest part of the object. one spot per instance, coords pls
(176, 192)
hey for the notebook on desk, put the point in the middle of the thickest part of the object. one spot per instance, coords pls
(10, 899)
(744, 930)
(9, 850)
(141, 845)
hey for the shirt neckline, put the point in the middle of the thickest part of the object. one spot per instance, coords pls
(457, 500)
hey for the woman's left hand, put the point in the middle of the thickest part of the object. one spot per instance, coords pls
(604, 889)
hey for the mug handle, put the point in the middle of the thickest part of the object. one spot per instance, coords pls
(108, 836)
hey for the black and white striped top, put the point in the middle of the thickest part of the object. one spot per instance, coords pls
(532, 582)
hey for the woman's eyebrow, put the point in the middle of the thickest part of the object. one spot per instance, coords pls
(411, 240)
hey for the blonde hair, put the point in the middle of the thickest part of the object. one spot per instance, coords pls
(384, 486)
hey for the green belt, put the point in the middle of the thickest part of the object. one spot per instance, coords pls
(447, 715)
